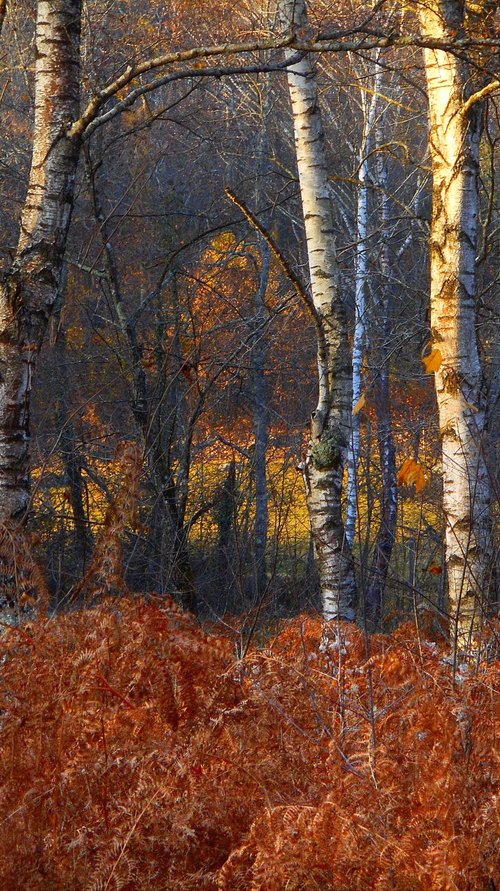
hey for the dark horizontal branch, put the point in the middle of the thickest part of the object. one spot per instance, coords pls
(150, 87)
(368, 40)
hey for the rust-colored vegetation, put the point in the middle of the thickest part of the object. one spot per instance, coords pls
(137, 752)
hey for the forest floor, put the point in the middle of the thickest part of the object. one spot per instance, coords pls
(139, 751)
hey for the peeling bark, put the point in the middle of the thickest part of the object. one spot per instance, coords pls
(454, 136)
(361, 277)
(386, 534)
(330, 424)
(29, 288)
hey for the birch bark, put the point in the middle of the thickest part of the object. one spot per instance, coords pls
(369, 106)
(330, 423)
(389, 496)
(29, 288)
(454, 138)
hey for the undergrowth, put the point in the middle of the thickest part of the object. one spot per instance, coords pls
(136, 752)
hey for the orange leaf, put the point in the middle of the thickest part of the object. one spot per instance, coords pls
(411, 472)
(435, 569)
(405, 470)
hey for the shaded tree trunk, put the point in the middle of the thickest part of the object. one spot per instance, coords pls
(259, 362)
(381, 390)
(260, 420)
(369, 106)
(70, 455)
(330, 423)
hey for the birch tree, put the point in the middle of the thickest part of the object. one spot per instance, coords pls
(455, 123)
(29, 287)
(330, 422)
(369, 102)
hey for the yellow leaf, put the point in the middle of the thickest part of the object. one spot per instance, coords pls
(359, 405)
(433, 361)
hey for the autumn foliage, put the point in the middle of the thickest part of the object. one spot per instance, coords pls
(139, 752)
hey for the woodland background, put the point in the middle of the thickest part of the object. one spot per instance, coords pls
(164, 293)
(246, 745)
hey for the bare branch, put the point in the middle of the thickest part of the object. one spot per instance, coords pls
(370, 40)
(134, 71)
(279, 256)
(486, 91)
(142, 90)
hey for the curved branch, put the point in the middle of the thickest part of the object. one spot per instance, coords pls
(369, 40)
(81, 128)
(134, 71)
(486, 91)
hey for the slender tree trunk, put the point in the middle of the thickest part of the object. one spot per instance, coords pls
(225, 516)
(68, 448)
(330, 423)
(259, 388)
(454, 135)
(30, 287)
(361, 276)
(259, 362)
(387, 451)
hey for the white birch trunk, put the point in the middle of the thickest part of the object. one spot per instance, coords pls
(28, 290)
(369, 106)
(454, 145)
(384, 542)
(330, 424)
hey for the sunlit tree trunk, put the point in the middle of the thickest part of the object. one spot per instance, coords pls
(29, 288)
(454, 137)
(330, 423)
